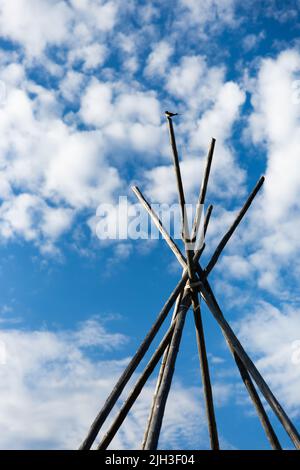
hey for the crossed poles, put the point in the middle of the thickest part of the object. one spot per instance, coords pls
(194, 282)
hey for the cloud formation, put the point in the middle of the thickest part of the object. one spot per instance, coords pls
(52, 389)
(272, 335)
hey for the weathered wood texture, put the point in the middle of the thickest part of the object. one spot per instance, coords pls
(203, 190)
(163, 392)
(236, 222)
(160, 376)
(288, 426)
(135, 361)
(213, 306)
(200, 338)
(137, 389)
(162, 367)
(194, 281)
(263, 417)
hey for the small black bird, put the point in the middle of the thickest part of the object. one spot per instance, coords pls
(168, 114)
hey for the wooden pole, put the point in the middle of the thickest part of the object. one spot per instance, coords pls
(137, 389)
(222, 243)
(200, 337)
(203, 189)
(229, 233)
(213, 306)
(200, 272)
(263, 417)
(133, 364)
(204, 368)
(156, 220)
(171, 341)
(162, 367)
(159, 225)
(270, 433)
(185, 234)
(160, 375)
(207, 219)
(163, 392)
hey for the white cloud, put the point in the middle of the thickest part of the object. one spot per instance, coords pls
(274, 125)
(279, 12)
(162, 183)
(143, 107)
(99, 15)
(159, 59)
(210, 13)
(18, 21)
(76, 174)
(96, 106)
(109, 103)
(272, 335)
(237, 266)
(92, 55)
(56, 221)
(51, 384)
(45, 155)
(50, 161)
(28, 217)
(31, 23)
(265, 252)
(70, 86)
(275, 122)
(210, 107)
(129, 119)
(52, 389)
(13, 74)
(194, 82)
(219, 120)
(93, 333)
(44, 159)
(227, 176)
(252, 40)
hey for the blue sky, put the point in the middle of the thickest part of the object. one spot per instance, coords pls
(84, 85)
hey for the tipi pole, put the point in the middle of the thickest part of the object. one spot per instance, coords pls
(194, 281)
(263, 417)
(202, 193)
(163, 392)
(173, 246)
(133, 364)
(160, 375)
(137, 389)
(208, 395)
(162, 367)
(155, 219)
(181, 259)
(236, 222)
(211, 302)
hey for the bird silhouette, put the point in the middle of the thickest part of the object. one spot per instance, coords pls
(169, 114)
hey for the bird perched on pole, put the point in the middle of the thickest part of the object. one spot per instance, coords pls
(169, 114)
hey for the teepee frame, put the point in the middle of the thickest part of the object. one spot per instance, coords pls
(194, 282)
